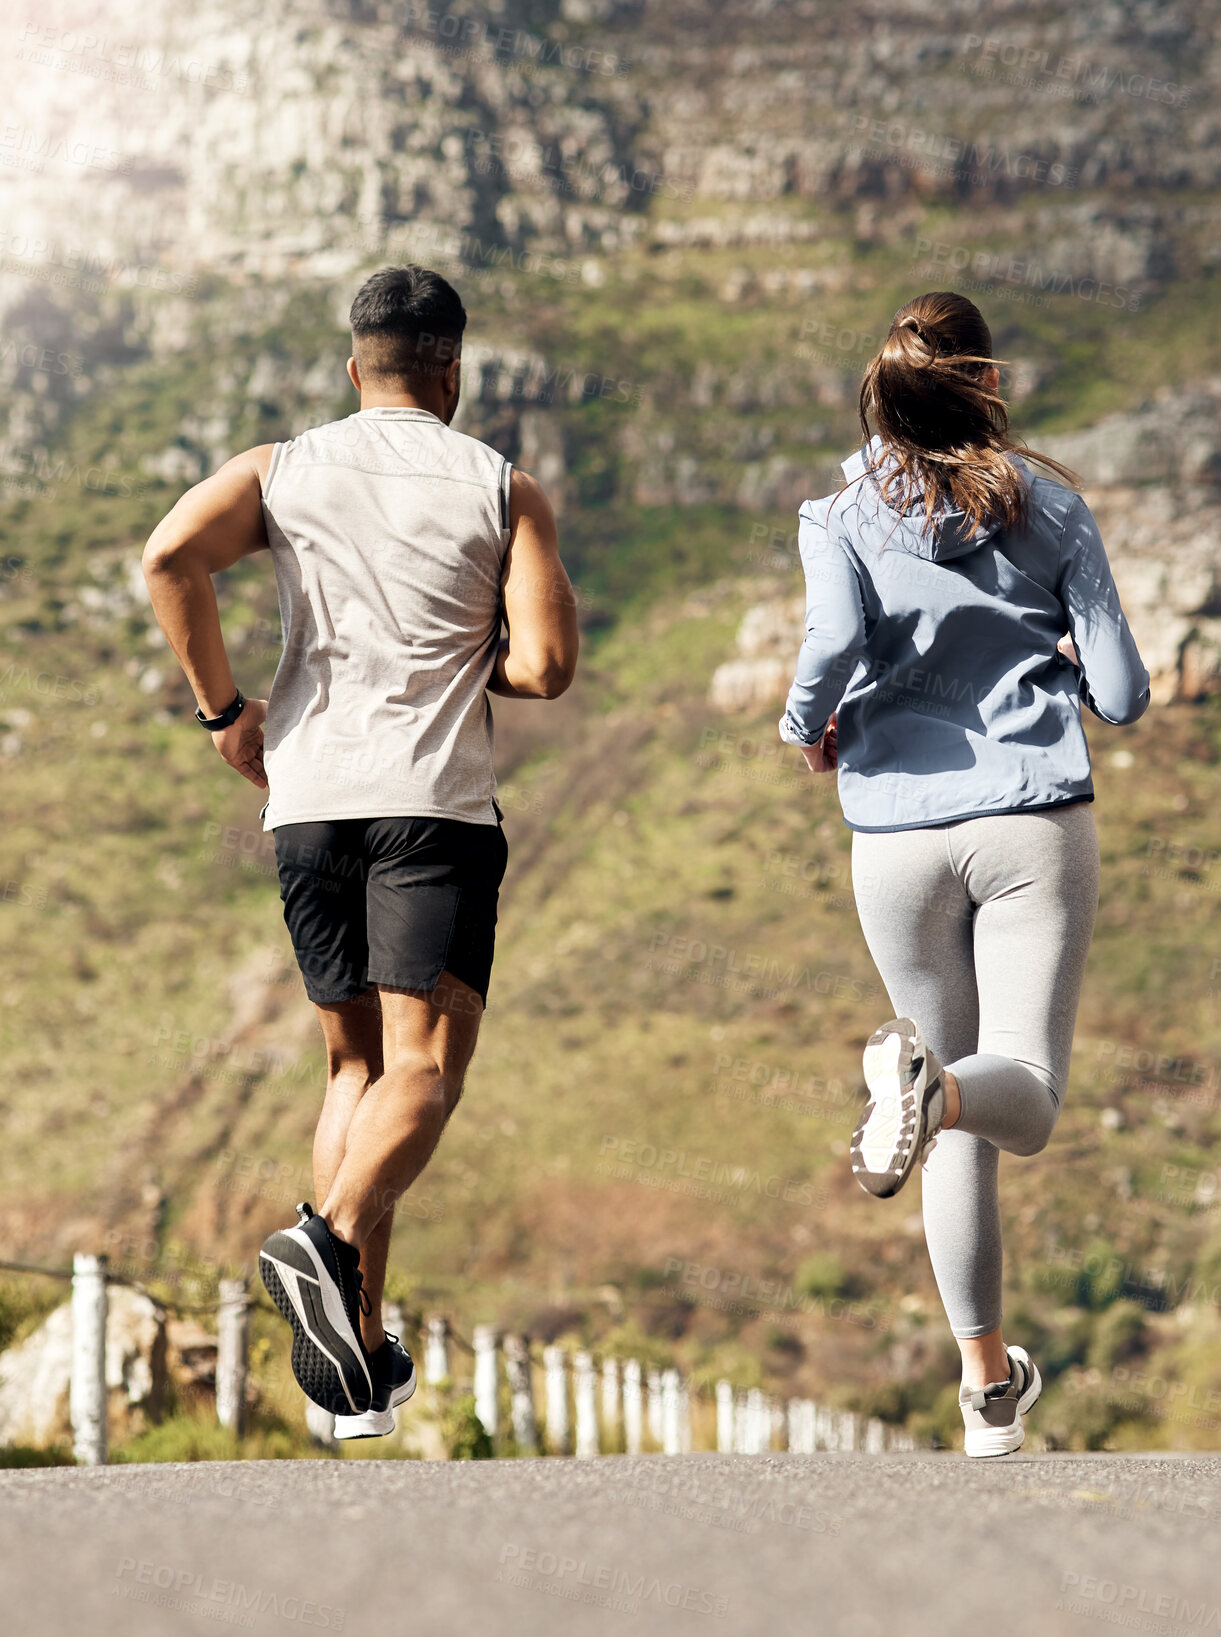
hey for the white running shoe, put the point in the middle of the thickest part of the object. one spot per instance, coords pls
(993, 1414)
(394, 1383)
(899, 1124)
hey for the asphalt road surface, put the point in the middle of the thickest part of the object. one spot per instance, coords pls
(821, 1544)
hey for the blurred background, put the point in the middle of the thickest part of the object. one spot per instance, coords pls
(680, 231)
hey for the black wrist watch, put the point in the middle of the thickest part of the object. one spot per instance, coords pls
(227, 717)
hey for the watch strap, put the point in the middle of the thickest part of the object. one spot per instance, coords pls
(227, 717)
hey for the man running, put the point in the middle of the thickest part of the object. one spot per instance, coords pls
(417, 570)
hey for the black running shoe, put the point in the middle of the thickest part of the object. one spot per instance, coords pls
(314, 1278)
(393, 1384)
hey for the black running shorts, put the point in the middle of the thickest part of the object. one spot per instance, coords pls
(396, 901)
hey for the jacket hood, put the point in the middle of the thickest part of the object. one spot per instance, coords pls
(949, 536)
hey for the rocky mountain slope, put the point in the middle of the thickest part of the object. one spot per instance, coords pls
(541, 149)
(1153, 480)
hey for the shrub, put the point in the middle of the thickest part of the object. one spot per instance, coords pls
(185, 1436)
(942, 1425)
(1118, 1334)
(1100, 1281)
(1082, 1415)
(20, 1455)
(24, 1304)
(464, 1434)
(822, 1276)
(787, 1343)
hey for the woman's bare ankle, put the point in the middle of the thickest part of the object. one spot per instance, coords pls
(984, 1359)
(953, 1100)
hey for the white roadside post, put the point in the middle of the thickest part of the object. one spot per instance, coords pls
(724, 1417)
(792, 1431)
(521, 1394)
(486, 1405)
(759, 1417)
(684, 1418)
(824, 1428)
(436, 1349)
(671, 1433)
(741, 1424)
(232, 1337)
(633, 1407)
(653, 1411)
(556, 1396)
(87, 1393)
(803, 1426)
(610, 1402)
(777, 1425)
(319, 1423)
(585, 1396)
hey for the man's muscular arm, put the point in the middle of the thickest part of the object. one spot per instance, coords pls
(539, 656)
(211, 527)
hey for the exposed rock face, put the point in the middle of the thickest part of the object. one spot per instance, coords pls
(302, 138)
(542, 454)
(1153, 481)
(1165, 547)
(1175, 439)
(192, 1357)
(817, 101)
(35, 1375)
(766, 653)
(302, 134)
(293, 134)
(747, 685)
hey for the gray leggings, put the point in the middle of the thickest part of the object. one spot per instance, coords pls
(980, 931)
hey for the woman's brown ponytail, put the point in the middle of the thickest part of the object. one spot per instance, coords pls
(946, 435)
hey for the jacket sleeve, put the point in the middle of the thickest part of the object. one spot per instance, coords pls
(1113, 680)
(835, 629)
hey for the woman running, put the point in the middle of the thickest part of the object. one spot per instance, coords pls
(959, 609)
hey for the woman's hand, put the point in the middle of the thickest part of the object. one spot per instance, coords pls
(823, 757)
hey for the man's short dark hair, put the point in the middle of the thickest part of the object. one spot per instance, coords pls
(407, 325)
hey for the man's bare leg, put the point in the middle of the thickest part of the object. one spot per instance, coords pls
(352, 1030)
(427, 1042)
